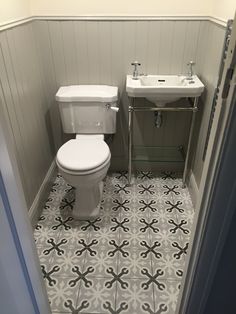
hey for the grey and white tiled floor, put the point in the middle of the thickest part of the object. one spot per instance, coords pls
(129, 260)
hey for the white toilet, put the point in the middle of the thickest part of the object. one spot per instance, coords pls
(89, 111)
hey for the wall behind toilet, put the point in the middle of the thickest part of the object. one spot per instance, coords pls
(100, 52)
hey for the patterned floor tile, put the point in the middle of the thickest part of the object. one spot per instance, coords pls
(62, 292)
(104, 235)
(187, 213)
(134, 214)
(80, 308)
(171, 190)
(183, 196)
(135, 261)
(169, 178)
(55, 247)
(135, 296)
(73, 235)
(43, 233)
(48, 215)
(97, 295)
(118, 224)
(128, 260)
(49, 273)
(180, 249)
(142, 176)
(173, 208)
(119, 205)
(166, 298)
(45, 259)
(179, 227)
(149, 207)
(171, 263)
(165, 236)
(64, 223)
(67, 261)
(160, 196)
(135, 237)
(101, 258)
(108, 210)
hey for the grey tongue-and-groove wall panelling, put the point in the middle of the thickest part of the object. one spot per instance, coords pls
(39, 56)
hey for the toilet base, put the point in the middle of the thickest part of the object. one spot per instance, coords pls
(87, 202)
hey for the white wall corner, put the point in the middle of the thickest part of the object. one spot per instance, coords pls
(193, 188)
(41, 197)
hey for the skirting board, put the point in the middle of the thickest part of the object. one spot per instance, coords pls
(193, 188)
(40, 198)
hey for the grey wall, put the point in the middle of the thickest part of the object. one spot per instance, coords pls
(211, 39)
(38, 57)
(100, 52)
(25, 106)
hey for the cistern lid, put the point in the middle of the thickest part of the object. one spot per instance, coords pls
(91, 93)
(82, 155)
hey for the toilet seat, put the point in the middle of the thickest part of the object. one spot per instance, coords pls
(84, 173)
(83, 156)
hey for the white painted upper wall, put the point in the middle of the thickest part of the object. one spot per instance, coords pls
(16, 9)
(223, 8)
(119, 7)
(11, 10)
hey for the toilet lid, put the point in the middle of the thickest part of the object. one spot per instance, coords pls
(81, 155)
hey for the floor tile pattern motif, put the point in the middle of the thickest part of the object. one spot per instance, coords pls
(128, 260)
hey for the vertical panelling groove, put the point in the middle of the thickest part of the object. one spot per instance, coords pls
(51, 51)
(63, 51)
(100, 69)
(185, 36)
(76, 61)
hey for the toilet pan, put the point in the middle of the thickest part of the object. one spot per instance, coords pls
(84, 162)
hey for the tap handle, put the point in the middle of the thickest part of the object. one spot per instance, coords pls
(191, 64)
(135, 71)
(136, 64)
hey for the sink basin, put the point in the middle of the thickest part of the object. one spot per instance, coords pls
(163, 89)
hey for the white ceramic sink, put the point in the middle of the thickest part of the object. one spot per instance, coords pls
(163, 89)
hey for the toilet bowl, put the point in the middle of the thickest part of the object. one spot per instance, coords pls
(89, 111)
(84, 162)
